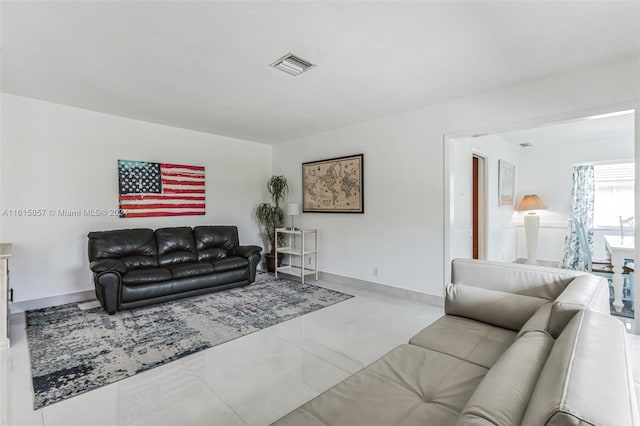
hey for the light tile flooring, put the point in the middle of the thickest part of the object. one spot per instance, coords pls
(252, 380)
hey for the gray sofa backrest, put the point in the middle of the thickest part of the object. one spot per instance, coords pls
(526, 280)
(508, 295)
(583, 292)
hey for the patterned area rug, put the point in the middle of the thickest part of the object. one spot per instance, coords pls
(74, 351)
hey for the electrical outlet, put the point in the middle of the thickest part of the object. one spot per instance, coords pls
(376, 271)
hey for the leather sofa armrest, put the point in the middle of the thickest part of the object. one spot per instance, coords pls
(107, 265)
(107, 286)
(246, 251)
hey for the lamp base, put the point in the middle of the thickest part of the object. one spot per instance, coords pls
(531, 230)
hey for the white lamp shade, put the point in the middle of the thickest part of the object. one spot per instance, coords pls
(292, 209)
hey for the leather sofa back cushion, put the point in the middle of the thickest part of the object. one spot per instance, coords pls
(527, 280)
(498, 308)
(212, 254)
(135, 248)
(586, 378)
(176, 245)
(501, 400)
(583, 292)
(221, 237)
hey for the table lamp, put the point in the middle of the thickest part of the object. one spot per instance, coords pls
(531, 203)
(292, 209)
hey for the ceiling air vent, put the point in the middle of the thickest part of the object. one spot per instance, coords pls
(526, 144)
(292, 64)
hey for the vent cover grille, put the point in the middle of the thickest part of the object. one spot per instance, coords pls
(292, 64)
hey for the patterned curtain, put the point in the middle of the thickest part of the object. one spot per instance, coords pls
(582, 199)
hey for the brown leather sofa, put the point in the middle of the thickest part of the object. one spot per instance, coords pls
(518, 345)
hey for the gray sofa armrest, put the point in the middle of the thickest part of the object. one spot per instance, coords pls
(587, 377)
(246, 251)
(105, 265)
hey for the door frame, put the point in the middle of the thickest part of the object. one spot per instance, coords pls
(483, 196)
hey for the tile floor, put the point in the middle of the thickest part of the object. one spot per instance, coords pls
(252, 380)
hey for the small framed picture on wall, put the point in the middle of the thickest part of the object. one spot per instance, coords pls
(506, 183)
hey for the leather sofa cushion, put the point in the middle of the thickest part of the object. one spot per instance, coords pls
(470, 340)
(230, 263)
(584, 292)
(146, 276)
(586, 379)
(104, 265)
(502, 309)
(408, 386)
(135, 248)
(501, 400)
(191, 269)
(225, 237)
(178, 286)
(175, 245)
(212, 254)
(526, 280)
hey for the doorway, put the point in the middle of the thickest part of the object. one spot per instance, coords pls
(478, 206)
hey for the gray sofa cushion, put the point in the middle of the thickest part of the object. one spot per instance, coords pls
(583, 292)
(408, 386)
(466, 339)
(501, 400)
(502, 309)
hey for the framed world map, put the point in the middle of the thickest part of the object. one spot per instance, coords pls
(333, 186)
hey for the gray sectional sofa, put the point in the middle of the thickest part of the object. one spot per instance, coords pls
(518, 344)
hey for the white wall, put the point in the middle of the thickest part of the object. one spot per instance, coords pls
(59, 157)
(403, 228)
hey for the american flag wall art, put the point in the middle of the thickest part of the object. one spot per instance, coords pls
(159, 189)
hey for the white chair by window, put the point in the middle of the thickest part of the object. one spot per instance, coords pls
(627, 226)
(604, 268)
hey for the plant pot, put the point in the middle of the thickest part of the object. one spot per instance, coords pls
(270, 258)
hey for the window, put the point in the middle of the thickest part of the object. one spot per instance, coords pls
(614, 196)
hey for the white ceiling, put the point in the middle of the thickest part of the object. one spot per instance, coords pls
(578, 130)
(205, 65)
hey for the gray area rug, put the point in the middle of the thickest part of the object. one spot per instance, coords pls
(74, 351)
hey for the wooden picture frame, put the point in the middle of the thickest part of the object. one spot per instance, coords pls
(335, 185)
(506, 183)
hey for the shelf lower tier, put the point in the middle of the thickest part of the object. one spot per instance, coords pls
(296, 270)
(287, 250)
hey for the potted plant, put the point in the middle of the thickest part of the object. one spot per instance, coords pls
(271, 216)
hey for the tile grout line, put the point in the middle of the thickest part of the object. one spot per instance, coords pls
(317, 356)
(216, 394)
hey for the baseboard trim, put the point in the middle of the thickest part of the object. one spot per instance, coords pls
(89, 295)
(46, 302)
(387, 290)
